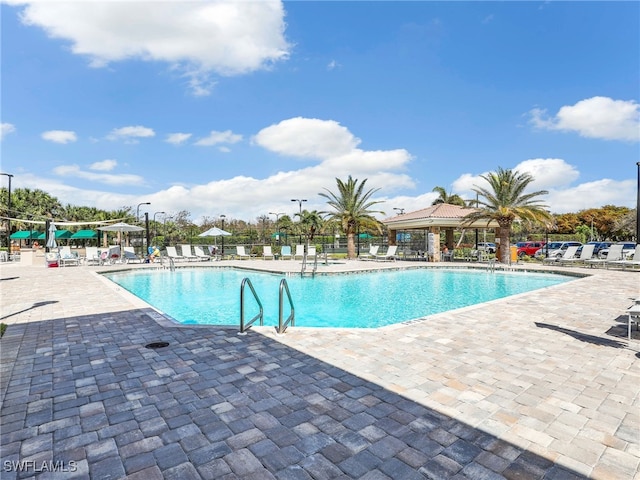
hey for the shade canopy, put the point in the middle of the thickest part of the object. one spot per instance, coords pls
(121, 227)
(60, 235)
(25, 234)
(84, 234)
(214, 232)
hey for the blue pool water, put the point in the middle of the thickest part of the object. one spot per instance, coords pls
(211, 296)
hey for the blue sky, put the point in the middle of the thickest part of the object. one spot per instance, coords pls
(237, 108)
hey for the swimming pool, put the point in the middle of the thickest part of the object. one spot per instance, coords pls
(211, 296)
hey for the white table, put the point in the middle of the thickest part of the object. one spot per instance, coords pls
(632, 311)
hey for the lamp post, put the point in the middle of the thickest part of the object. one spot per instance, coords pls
(299, 200)
(401, 212)
(138, 210)
(637, 207)
(138, 215)
(155, 225)
(277, 214)
(222, 217)
(9, 216)
(164, 230)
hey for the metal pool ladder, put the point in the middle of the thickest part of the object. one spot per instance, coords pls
(172, 265)
(282, 325)
(245, 326)
(304, 265)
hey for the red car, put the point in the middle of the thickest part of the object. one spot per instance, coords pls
(529, 248)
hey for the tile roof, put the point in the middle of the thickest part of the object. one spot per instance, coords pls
(441, 210)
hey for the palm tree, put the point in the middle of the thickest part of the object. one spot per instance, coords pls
(505, 201)
(453, 199)
(310, 223)
(351, 207)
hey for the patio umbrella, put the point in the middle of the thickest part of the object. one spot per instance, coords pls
(215, 232)
(51, 242)
(121, 227)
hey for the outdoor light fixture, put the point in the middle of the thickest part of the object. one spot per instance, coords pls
(222, 217)
(138, 210)
(637, 207)
(155, 225)
(277, 214)
(9, 216)
(299, 200)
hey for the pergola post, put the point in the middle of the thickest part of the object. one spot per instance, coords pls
(435, 257)
(392, 237)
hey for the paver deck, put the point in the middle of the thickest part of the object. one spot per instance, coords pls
(539, 385)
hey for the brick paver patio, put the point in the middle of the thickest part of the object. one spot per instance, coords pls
(540, 385)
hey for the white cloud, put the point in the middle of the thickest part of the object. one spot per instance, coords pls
(104, 165)
(548, 172)
(333, 65)
(592, 195)
(6, 129)
(195, 38)
(177, 138)
(596, 117)
(109, 179)
(59, 136)
(216, 138)
(131, 134)
(307, 138)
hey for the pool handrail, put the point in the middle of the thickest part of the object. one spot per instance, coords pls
(245, 326)
(282, 326)
(304, 264)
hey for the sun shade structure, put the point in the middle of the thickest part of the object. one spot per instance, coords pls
(26, 234)
(84, 234)
(60, 235)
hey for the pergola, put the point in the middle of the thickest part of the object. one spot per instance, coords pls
(434, 219)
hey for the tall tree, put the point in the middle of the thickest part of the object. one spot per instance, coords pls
(504, 201)
(444, 197)
(310, 223)
(351, 206)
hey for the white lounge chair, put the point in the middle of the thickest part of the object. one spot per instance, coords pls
(614, 255)
(311, 251)
(129, 256)
(477, 256)
(173, 254)
(91, 256)
(299, 252)
(199, 252)
(67, 257)
(570, 252)
(285, 251)
(390, 254)
(186, 253)
(632, 262)
(373, 251)
(585, 254)
(266, 252)
(241, 253)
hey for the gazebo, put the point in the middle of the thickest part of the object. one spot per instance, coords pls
(433, 220)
